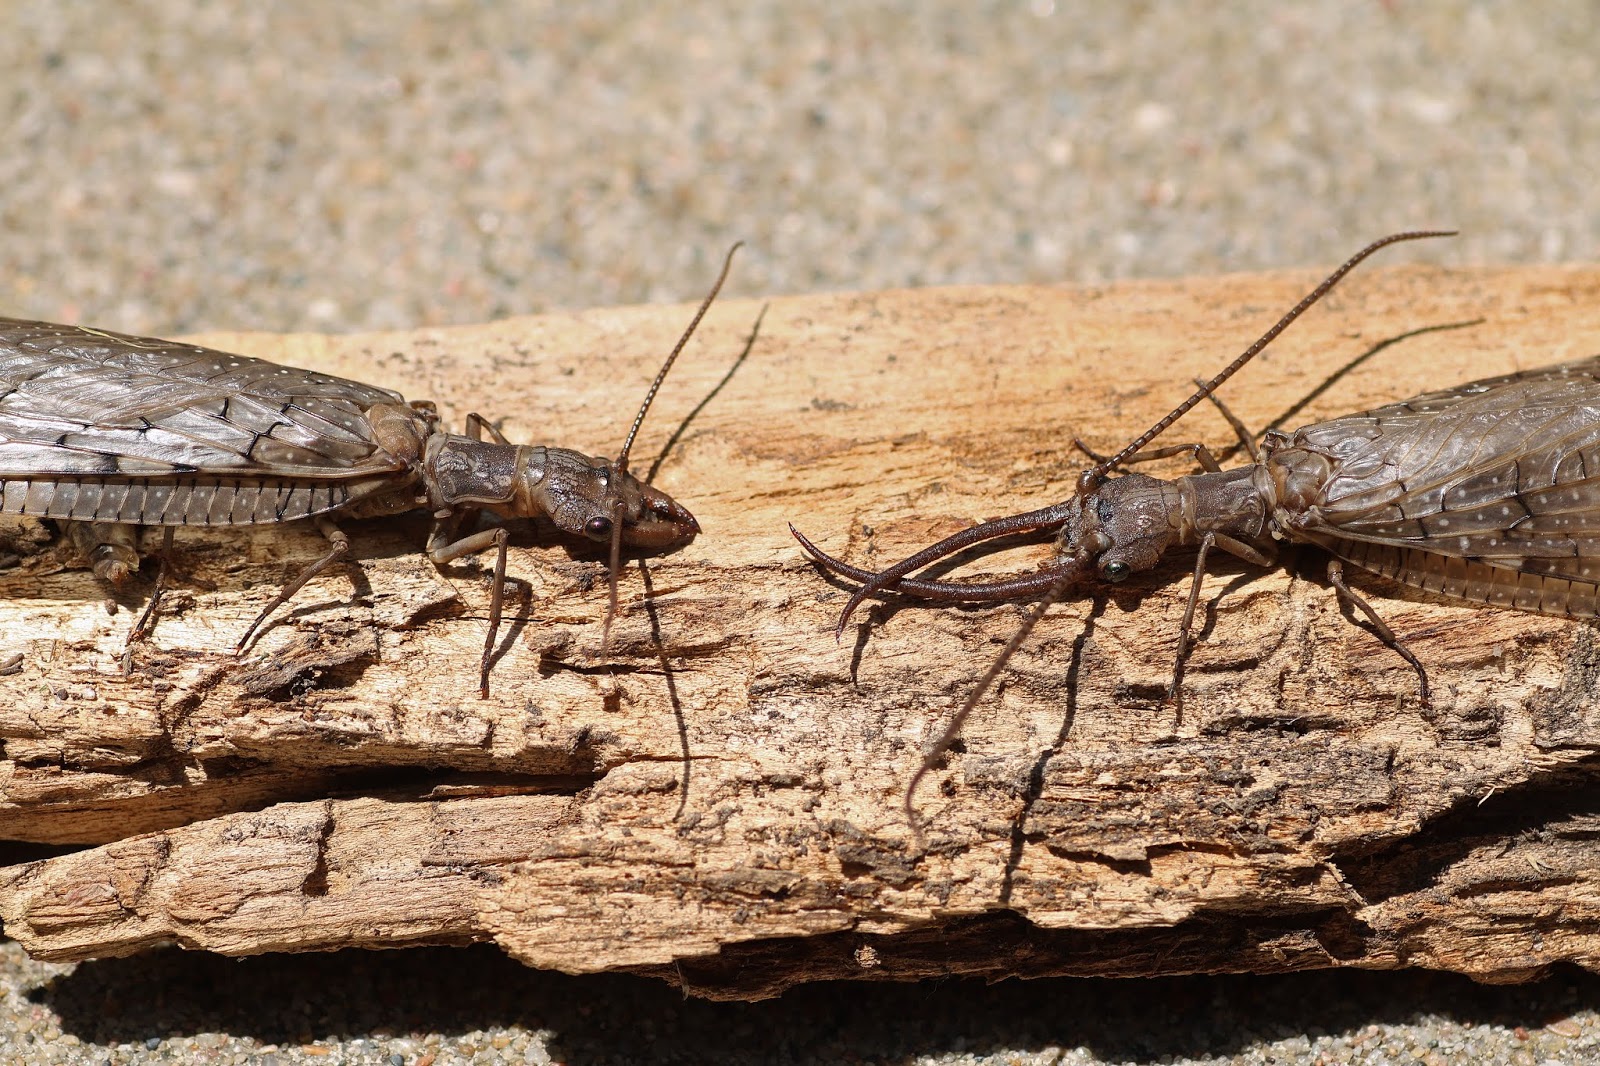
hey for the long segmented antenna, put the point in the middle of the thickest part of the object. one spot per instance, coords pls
(1055, 581)
(620, 466)
(1100, 471)
(896, 578)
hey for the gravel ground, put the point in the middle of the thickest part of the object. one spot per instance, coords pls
(178, 166)
(475, 1006)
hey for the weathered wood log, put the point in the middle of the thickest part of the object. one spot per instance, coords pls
(720, 804)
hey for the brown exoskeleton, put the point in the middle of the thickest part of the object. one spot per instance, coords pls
(1480, 493)
(108, 433)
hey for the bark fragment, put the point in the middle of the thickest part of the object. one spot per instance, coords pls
(721, 806)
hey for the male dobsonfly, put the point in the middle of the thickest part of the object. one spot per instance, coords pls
(1488, 492)
(107, 433)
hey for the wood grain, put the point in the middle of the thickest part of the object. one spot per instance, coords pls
(721, 804)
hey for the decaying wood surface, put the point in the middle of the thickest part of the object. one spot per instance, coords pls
(722, 807)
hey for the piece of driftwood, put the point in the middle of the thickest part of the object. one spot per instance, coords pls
(720, 805)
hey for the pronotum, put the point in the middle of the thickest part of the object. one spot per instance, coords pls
(1488, 492)
(107, 433)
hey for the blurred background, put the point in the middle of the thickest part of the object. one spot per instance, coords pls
(176, 165)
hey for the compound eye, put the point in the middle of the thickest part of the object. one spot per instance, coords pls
(1116, 571)
(598, 527)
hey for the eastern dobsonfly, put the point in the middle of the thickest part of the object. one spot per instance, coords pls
(107, 433)
(1488, 493)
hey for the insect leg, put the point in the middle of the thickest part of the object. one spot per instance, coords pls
(1175, 691)
(1336, 579)
(1200, 453)
(477, 425)
(111, 548)
(442, 550)
(147, 618)
(1247, 440)
(338, 547)
(112, 551)
(1250, 554)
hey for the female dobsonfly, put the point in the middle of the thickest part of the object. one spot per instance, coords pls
(1488, 492)
(107, 433)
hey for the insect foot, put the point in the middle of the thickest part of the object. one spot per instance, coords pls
(107, 433)
(1478, 493)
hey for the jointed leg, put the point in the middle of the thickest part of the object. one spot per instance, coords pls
(111, 548)
(1247, 440)
(147, 618)
(1174, 692)
(442, 550)
(1237, 548)
(339, 546)
(477, 425)
(1200, 453)
(112, 551)
(1336, 579)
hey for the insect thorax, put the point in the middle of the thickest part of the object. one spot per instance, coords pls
(1235, 503)
(1296, 473)
(461, 471)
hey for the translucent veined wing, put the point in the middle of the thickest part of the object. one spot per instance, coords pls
(77, 401)
(1505, 471)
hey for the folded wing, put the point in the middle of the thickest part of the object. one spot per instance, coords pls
(1504, 471)
(77, 401)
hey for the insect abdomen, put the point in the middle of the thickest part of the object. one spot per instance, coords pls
(188, 501)
(1475, 582)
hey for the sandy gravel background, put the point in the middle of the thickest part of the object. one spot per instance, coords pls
(176, 165)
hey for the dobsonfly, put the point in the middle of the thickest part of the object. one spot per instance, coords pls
(1488, 493)
(107, 433)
